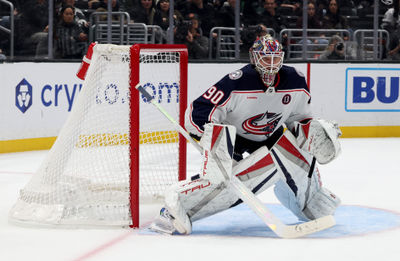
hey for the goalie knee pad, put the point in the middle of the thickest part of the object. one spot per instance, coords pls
(320, 138)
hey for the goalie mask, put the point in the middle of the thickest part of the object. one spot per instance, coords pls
(267, 56)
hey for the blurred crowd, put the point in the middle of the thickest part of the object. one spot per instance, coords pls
(193, 22)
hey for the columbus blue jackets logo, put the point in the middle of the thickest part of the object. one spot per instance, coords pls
(262, 124)
(23, 95)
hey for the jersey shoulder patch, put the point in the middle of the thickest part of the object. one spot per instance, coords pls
(236, 75)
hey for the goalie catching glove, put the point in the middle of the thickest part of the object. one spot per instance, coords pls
(320, 138)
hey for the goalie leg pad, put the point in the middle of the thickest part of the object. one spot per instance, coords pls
(287, 197)
(304, 196)
(217, 142)
(322, 201)
(193, 200)
(320, 138)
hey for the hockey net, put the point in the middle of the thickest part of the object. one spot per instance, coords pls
(114, 149)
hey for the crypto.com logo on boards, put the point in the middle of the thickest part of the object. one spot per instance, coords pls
(372, 89)
(23, 95)
(51, 95)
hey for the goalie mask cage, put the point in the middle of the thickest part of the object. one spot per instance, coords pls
(115, 151)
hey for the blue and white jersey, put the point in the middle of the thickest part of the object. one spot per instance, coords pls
(241, 99)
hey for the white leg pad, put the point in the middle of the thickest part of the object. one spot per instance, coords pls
(322, 202)
(287, 198)
(217, 142)
(305, 197)
(193, 200)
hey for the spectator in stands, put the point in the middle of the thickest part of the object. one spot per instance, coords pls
(335, 49)
(102, 6)
(313, 20)
(391, 19)
(5, 14)
(322, 7)
(272, 18)
(293, 7)
(261, 30)
(69, 36)
(333, 19)
(364, 8)
(251, 12)
(391, 23)
(394, 52)
(80, 17)
(226, 15)
(161, 16)
(188, 33)
(316, 38)
(31, 27)
(5, 22)
(249, 35)
(217, 4)
(144, 12)
(347, 8)
(205, 13)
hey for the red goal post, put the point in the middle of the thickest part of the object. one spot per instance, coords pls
(135, 52)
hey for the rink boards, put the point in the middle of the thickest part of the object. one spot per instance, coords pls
(362, 98)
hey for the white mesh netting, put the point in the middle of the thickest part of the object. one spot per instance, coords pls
(85, 177)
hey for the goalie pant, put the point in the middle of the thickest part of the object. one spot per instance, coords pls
(285, 165)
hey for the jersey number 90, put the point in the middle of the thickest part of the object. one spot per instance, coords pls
(213, 95)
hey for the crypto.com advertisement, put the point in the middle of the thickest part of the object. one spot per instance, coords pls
(36, 98)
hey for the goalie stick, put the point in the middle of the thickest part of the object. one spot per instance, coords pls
(248, 197)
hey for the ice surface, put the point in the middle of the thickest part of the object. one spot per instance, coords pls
(366, 177)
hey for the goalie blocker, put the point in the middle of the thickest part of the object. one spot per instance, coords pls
(286, 165)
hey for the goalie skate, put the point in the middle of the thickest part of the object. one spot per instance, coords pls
(168, 224)
(163, 224)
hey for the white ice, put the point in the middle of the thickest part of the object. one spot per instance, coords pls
(366, 174)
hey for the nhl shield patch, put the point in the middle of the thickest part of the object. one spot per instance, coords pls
(235, 75)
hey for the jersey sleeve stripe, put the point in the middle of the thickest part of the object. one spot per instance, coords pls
(192, 122)
(295, 90)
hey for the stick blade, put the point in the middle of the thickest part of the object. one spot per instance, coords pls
(303, 229)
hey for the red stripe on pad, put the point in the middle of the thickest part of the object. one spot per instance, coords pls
(306, 129)
(267, 160)
(216, 131)
(288, 146)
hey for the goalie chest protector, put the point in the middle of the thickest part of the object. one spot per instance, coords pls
(241, 99)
